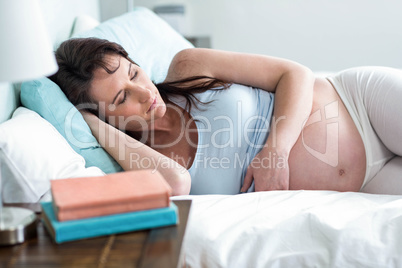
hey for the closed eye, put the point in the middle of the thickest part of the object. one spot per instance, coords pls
(124, 98)
(134, 75)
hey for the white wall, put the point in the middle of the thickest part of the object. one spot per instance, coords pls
(64, 13)
(326, 35)
(112, 8)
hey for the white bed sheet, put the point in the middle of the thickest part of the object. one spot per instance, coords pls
(294, 229)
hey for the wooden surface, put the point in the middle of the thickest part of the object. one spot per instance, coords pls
(159, 247)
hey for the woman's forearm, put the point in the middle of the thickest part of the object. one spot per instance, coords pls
(293, 104)
(134, 155)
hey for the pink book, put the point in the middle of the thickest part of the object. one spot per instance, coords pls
(79, 198)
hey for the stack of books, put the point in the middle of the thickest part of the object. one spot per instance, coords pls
(116, 203)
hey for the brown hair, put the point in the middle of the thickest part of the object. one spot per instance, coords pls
(78, 58)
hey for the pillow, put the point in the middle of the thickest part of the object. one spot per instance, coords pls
(46, 98)
(31, 153)
(149, 40)
(83, 23)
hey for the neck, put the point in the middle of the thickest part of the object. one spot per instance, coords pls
(173, 119)
(162, 129)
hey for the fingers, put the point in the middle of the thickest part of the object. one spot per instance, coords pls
(248, 179)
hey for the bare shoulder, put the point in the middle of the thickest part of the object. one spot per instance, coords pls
(187, 63)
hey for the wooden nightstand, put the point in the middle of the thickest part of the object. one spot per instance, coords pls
(159, 247)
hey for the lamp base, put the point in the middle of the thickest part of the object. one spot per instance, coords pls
(16, 225)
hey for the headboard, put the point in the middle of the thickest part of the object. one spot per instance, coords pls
(59, 16)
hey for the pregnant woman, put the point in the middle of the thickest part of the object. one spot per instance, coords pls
(225, 122)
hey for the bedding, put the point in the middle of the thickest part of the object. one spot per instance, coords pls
(148, 39)
(31, 153)
(83, 23)
(294, 229)
(46, 98)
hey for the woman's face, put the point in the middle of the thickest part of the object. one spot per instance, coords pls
(127, 98)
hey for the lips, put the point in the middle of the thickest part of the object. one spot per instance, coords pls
(153, 105)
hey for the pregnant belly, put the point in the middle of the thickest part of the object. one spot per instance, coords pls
(329, 154)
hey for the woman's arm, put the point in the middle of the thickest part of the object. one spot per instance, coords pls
(293, 87)
(133, 155)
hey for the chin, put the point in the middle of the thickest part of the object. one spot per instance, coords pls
(160, 111)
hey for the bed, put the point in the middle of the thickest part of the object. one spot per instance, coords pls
(265, 229)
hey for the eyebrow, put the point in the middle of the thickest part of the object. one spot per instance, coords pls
(121, 90)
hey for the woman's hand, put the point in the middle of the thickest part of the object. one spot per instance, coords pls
(269, 170)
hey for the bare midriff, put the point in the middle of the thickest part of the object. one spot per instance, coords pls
(329, 154)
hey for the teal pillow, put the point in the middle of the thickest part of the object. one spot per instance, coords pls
(46, 98)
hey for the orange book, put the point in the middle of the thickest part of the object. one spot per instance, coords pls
(78, 198)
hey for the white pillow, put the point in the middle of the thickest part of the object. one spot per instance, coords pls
(149, 40)
(83, 23)
(31, 153)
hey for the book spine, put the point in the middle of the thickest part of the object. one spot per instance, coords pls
(107, 225)
(66, 214)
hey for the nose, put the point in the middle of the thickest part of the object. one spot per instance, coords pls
(143, 94)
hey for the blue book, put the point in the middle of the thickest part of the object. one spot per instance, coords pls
(106, 225)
